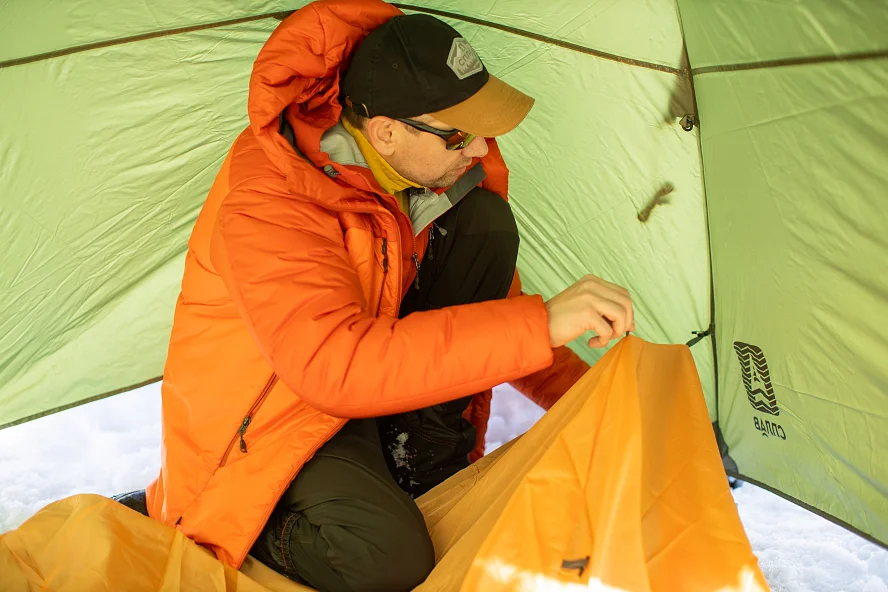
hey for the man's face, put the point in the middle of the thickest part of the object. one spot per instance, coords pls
(421, 156)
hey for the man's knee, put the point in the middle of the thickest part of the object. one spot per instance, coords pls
(487, 227)
(483, 211)
(396, 559)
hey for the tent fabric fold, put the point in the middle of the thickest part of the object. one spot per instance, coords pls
(618, 488)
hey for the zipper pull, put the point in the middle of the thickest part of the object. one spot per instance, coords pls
(416, 264)
(443, 231)
(429, 252)
(242, 431)
(385, 257)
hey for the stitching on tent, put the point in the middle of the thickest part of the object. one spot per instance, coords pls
(810, 508)
(549, 40)
(824, 59)
(132, 39)
(81, 402)
(850, 57)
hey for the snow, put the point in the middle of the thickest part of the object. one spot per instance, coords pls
(107, 447)
(112, 446)
(399, 452)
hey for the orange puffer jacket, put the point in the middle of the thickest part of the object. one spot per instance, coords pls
(287, 324)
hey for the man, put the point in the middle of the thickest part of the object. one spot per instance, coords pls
(338, 318)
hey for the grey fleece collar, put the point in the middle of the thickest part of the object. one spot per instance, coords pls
(425, 206)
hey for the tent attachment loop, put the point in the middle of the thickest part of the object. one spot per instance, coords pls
(688, 122)
(660, 198)
(700, 335)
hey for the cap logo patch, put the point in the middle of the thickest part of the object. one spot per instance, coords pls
(463, 60)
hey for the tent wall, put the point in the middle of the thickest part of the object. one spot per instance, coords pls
(643, 30)
(38, 27)
(107, 156)
(795, 157)
(601, 141)
(105, 191)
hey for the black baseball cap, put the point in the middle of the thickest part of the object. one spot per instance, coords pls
(416, 64)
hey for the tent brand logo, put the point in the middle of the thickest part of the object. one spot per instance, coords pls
(757, 378)
(768, 428)
(463, 60)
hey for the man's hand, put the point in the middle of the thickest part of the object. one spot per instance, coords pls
(591, 304)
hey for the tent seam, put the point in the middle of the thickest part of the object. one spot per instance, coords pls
(134, 38)
(81, 402)
(550, 40)
(280, 15)
(838, 521)
(799, 61)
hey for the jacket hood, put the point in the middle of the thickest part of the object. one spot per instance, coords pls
(298, 73)
(296, 76)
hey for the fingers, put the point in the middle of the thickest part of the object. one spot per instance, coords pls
(631, 318)
(627, 312)
(610, 309)
(596, 343)
(616, 316)
(590, 304)
(603, 330)
(602, 289)
(624, 317)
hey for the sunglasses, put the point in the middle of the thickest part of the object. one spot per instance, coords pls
(454, 139)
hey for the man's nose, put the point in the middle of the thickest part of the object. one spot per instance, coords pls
(477, 148)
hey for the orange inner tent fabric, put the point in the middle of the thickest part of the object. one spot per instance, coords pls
(619, 487)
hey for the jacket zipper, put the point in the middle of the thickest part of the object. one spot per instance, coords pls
(385, 270)
(429, 252)
(239, 435)
(416, 265)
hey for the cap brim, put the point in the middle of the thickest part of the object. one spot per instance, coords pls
(492, 111)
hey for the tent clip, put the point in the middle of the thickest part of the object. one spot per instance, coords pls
(700, 335)
(688, 122)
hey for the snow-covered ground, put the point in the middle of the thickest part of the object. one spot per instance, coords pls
(113, 446)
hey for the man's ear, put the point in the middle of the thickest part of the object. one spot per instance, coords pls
(380, 132)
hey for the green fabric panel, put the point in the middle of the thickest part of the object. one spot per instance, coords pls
(108, 156)
(640, 29)
(31, 27)
(720, 32)
(794, 161)
(88, 199)
(601, 140)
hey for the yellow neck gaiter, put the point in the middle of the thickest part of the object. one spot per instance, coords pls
(388, 178)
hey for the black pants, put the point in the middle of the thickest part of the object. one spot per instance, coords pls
(347, 522)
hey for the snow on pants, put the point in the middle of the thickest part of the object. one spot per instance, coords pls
(348, 521)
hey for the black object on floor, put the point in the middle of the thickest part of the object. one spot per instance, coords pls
(134, 500)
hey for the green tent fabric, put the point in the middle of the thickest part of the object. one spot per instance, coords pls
(723, 160)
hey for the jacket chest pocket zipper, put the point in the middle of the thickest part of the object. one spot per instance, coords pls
(248, 419)
(416, 264)
(385, 270)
